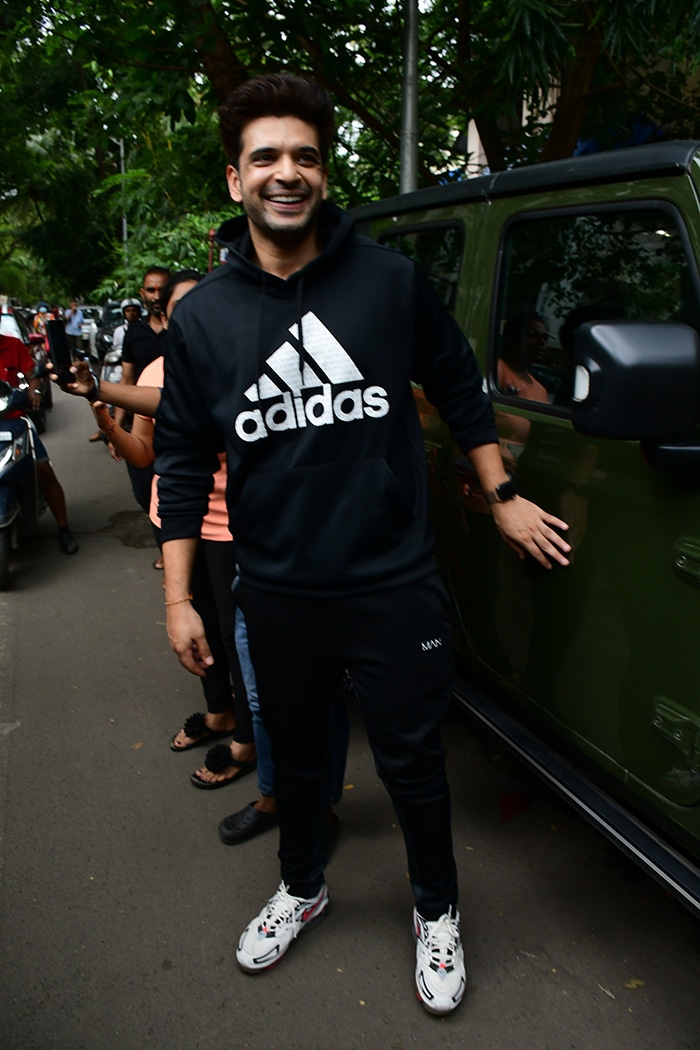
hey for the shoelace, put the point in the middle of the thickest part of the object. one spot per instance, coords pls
(281, 908)
(442, 938)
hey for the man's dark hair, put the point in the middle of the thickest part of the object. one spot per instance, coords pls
(163, 271)
(276, 95)
(175, 279)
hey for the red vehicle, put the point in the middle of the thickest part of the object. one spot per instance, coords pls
(12, 323)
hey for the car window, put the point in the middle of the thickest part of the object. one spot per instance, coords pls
(438, 248)
(558, 271)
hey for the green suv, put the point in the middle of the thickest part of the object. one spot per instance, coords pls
(577, 285)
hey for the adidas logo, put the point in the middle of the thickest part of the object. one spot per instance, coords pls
(434, 643)
(289, 382)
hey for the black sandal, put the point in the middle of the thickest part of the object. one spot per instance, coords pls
(217, 760)
(196, 726)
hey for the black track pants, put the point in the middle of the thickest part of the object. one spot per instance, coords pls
(397, 645)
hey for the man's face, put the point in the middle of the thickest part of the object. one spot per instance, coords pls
(131, 313)
(150, 293)
(280, 179)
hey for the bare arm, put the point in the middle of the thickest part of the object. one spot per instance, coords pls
(135, 447)
(185, 627)
(142, 399)
(523, 525)
(127, 380)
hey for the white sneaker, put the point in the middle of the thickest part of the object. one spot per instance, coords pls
(265, 940)
(440, 974)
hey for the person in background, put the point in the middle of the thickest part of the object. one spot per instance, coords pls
(144, 341)
(41, 316)
(131, 312)
(73, 319)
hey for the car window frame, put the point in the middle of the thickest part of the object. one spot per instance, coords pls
(666, 207)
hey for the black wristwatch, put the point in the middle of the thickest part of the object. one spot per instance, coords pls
(502, 493)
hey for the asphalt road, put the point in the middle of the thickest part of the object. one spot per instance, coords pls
(120, 909)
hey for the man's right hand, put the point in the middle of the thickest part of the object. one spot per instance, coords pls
(187, 638)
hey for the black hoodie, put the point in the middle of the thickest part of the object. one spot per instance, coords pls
(306, 383)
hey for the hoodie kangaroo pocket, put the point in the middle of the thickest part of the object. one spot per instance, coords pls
(321, 526)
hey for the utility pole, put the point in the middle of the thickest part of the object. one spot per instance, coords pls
(124, 229)
(408, 172)
(120, 142)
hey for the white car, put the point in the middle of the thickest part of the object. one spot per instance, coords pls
(91, 315)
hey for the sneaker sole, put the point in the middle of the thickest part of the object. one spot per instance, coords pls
(437, 1012)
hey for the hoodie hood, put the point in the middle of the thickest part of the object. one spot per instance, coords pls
(334, 226)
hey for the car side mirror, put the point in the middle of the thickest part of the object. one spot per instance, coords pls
(636, 381)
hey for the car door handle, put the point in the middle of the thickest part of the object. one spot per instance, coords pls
(686, 560)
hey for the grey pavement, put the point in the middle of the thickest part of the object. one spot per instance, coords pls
(120, 909)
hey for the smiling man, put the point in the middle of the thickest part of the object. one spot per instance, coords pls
(296, 357)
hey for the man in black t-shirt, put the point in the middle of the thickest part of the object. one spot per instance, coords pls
(144, 341)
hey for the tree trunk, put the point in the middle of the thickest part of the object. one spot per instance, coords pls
(570, 111)
(220, 63)
(486, 126)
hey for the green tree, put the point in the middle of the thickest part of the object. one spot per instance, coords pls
(534, 75)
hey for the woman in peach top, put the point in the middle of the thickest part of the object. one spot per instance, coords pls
(211, 590)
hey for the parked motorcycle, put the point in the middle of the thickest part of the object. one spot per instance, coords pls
(112, 366)
(21, 502)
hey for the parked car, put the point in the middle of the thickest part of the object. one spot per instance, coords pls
(13, 323)
(578, 286)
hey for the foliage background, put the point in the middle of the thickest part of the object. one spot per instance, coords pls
(537, 76)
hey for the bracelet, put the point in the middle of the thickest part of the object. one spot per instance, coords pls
(180, 600)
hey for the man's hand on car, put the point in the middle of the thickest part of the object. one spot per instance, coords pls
(527, 528)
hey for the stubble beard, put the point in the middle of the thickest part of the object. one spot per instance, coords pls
(280, 232)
